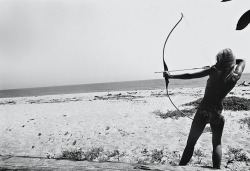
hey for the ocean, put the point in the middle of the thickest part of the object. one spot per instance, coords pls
(109, 87)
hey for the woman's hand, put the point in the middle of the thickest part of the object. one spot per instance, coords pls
(166, 74)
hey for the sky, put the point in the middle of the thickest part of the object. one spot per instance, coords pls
(67, 42)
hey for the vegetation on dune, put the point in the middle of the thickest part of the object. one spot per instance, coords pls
(199, 154)
(194, 103)
(93, 154)
(144, 156)
(236, 103)
(230, 103)
(174, 114)
(237, 154)
(76, 155)
(246, 121)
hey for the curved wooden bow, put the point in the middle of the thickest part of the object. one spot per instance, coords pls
(166, 67)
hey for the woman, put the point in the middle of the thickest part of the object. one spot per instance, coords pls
(223, 76)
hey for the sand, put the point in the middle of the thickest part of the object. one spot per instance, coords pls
(119, 126)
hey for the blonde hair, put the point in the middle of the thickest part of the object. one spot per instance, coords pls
(226, 59)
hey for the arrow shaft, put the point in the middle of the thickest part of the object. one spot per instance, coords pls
(180, 70)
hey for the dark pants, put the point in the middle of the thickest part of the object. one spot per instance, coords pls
(202, 117)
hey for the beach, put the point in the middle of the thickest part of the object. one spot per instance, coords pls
(120, 126)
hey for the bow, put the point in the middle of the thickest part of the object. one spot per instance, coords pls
(166, 67)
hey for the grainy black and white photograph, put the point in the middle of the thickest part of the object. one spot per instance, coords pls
(124, 85)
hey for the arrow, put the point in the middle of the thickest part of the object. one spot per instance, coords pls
(205, 67)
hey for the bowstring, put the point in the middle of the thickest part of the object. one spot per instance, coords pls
(197, 41)
(177, 107)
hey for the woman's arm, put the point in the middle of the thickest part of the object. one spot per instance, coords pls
(240, 66)
(200, 74)
(236, 74)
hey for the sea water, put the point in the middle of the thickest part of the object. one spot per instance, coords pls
(111, 86)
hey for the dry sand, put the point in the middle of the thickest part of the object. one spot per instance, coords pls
(122, 126)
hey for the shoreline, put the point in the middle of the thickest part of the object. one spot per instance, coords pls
(137, 85)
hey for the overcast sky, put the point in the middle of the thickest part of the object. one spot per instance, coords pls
(62, 42)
